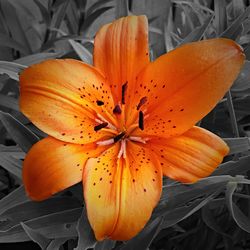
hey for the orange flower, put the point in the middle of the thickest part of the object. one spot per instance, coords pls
(122, 124)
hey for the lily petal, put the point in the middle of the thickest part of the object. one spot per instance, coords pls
(191, 156)
(101, 186)
(121, 51)
(184, 85)
(60, 97)
(120, 194)
(52, 165)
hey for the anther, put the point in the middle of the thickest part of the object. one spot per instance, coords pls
(124, 88)
(142, 101)
(141, 120)
(119, 136)
(104, 120)
(117, 109)
(100, 126)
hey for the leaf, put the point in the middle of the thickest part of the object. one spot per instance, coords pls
(37, 58)
(197, 33)
(59, 16)
(73, 17)
(242, 82)
(220, 20)
(11, 69)
(56, 225)
(91, 18)
(44, 11)
(14, 198)
(29, 210)
(121, 9)
(97, 5)
(173, 216)
(178, 195)
(14, 151)
(233, 30)
(20, 134)
(168, 28)
(232, 115)
(105, 245)
(9, 102)
(56, 243)
(233, 167)
(86, 238)
(238, 7)
(238, 145)
(11, 164)
(242, 220)
(14, 24)
(143, 240)
(7, 41)
(82, 52)
(35, 236)
(65, 37)
(211, 222)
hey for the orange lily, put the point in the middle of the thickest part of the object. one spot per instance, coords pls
(121, 125)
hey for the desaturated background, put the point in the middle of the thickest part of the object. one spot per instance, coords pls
(211, 214)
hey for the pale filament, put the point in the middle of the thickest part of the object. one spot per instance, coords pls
(105, 142)
(102, 119)
(137, 139)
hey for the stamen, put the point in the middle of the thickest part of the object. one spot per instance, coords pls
(141, 120)
(117, 109)
(118, 137)
(100, 126)
(104, 120)
(97, 120)
(142, 101)
(105, 142)
(122, 151)
(99, 103)
(124, 88)
(137, 139)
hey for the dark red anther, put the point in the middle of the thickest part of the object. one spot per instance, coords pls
(117, 109)
(100, 126)
(119, 136)
(124, 88)
(141, 120)
(142, 101)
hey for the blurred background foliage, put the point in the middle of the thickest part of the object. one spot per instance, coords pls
(211, 214)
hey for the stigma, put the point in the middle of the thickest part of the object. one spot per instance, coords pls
(122, 138)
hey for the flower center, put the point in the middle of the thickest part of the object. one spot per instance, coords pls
(122, 134)
(120, 137)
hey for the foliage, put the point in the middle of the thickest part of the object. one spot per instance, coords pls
(211, 214)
